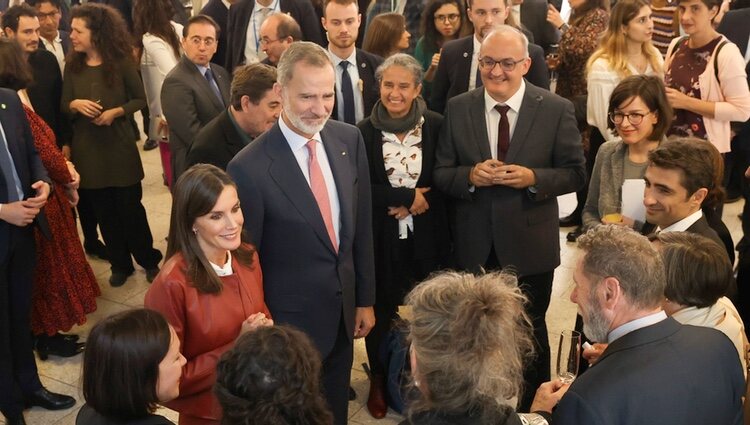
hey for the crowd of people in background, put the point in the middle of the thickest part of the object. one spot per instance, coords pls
(332, 161)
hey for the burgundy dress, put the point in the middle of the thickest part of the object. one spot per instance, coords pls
(65, 288)
(686, 66)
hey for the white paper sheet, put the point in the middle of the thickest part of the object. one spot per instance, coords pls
(632, 199)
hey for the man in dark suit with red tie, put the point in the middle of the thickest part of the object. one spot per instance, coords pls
(506, 151)
(24, 189)
(306, 187)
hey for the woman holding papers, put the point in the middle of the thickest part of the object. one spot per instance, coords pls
(639, 111)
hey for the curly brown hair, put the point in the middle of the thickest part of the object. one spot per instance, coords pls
(271, 377)
(153, 17)
(109, 36)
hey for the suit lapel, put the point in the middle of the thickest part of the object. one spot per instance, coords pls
(286, 173)
(464, 62)
(201, 83)
(219, 76)
(477, 117)
(337, 153)
(526, 119)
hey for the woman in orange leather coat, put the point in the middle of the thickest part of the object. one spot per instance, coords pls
(210, 289)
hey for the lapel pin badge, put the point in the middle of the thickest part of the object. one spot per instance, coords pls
(364, 65)
(343, 153)
(466, 55)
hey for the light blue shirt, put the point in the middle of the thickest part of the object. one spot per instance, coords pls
(636, 324)
(297, 144)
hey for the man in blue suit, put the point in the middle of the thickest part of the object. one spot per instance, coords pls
(305, 190)
(23, 193)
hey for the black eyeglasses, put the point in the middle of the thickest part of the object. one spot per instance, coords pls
(506, 65)
(451, 17)
(634, 118)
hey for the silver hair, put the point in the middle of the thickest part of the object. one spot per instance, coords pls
(402, 60)
(301, 51)
(621, 253)
(507, 29)
(471, 338)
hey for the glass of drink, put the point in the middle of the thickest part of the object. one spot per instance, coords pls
(568, 355)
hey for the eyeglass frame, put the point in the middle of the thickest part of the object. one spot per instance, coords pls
(450, 17)
(50, 15)
(197, 41)
(267, 41)
(611, 116)
(506, 64)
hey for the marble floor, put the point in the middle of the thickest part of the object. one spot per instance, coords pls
(63, 375)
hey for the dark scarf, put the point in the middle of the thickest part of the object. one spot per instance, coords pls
(383, 121)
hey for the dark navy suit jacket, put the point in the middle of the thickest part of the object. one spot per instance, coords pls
(306, 282)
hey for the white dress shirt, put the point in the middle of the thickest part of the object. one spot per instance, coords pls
(55, 46)
(474, 63)
(253, 53)
(359, 105)
(492, 116)
(683, 224)
(297, 145)
(226, 269)
(634, 325)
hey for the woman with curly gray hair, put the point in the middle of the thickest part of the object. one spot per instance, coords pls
(469, 339)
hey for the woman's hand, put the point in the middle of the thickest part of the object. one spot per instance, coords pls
(86, 107)
(253, 322)
(108, 116)
(553, 17)
(162, 128)
(420, 204)
(76, 182)
(72, 195)
(678, 99)
(398, 212)
(429, 75)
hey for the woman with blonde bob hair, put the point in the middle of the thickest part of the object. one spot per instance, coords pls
(625, 50)
(470, 338)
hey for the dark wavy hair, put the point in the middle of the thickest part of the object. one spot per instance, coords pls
(121, 363)
(700, 162)
(428, 29)
(195, 195)
(109, 36)
(15, 73)
(153, 17)
(271, 377)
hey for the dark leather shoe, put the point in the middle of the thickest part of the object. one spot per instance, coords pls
(15, 420)
(573, 236)
(48, 400)
(150, 144)
(570, 221)
(118, 279)
(376, 404)
(96, 249)
(58, 346)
